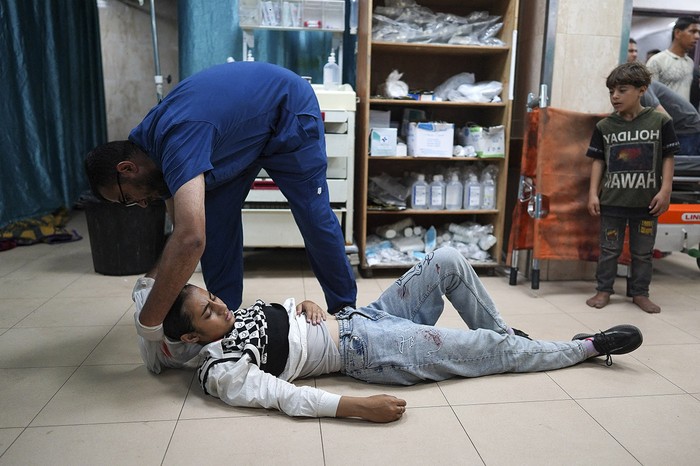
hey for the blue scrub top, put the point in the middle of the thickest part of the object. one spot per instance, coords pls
(218, 121)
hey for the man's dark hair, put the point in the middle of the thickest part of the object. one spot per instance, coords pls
(632, 41)
(177, 322)
(101, 163)
(633, 74)
(683, 23)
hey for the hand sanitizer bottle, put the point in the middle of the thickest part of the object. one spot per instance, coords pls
(331, 74)
(419, 193)
(453, 193)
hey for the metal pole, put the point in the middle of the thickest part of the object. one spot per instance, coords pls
(154, 33)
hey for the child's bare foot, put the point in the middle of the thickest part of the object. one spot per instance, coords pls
(646, 305)
(600, 300)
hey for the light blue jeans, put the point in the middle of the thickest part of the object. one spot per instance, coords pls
(394, 341)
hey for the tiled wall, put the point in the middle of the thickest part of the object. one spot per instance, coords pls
(128, 62)
(587, 49)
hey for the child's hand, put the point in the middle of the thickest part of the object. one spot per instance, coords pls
(594, 206)
(660, 203)
(314, 313)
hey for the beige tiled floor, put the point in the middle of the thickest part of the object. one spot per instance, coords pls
(73, 389)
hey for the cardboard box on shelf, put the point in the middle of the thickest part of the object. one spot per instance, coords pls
(382, 142)
(430, 139)
(379, 119)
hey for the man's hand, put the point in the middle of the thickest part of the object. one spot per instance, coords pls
(314, 313)
(375, 408)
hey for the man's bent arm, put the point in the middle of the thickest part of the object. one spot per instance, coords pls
(182, 251)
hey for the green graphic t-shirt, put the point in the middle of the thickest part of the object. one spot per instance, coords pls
(633, 153)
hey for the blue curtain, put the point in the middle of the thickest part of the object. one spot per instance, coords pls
(52, 105)
(209, 34)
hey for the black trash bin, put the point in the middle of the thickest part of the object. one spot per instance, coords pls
(125, 240)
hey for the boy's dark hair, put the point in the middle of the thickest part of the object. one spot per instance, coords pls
(632, 41)
(683, 23)
(101, 163)
(177, 322)
(632, 74)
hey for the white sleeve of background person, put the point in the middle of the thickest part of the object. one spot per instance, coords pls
(243, 383)
(156, 349)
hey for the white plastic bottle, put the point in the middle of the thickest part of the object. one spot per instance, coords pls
(453, 193)
(472, 193)
(437, 193)
(353, 16)
(488, 195)
(419, 193)
(331, 74)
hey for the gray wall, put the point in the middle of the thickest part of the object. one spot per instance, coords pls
(128, 62)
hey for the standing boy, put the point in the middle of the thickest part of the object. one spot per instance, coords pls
(631, 181)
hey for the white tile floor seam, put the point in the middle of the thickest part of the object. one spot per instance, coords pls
(73, 389)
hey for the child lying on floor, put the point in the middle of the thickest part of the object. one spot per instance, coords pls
(249, 357)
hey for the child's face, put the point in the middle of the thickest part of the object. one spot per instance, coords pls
(625, 97)
(211, 318)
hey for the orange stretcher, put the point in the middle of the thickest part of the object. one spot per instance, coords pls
(550, 218)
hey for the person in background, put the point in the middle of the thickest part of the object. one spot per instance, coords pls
(673, 67)
(695, 88)
(250, 356)
(632, 51)
(651, 53)
(631, 180)
(201, 149)
(686, 119)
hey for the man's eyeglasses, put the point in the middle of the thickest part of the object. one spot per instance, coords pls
(123, 200)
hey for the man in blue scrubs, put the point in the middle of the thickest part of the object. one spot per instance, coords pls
(200, 149)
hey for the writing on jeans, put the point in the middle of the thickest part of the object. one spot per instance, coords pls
(410, 341)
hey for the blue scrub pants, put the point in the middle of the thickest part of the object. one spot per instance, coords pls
(288, 142)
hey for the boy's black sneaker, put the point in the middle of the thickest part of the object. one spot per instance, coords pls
(620, 339)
